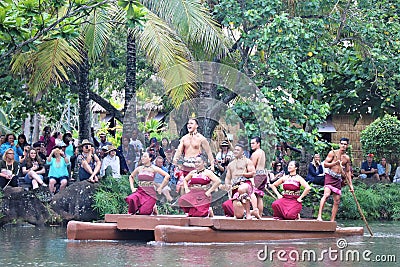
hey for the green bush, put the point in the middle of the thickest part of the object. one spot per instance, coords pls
(378, 202)
(110, 196)
(381, 138)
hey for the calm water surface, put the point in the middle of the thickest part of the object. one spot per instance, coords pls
(33, 246)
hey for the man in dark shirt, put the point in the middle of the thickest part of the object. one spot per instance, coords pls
(369, 168)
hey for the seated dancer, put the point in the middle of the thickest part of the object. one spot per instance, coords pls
(143, 199)
(191, 146)
(239, 181)
(288, 206)
(196, 202)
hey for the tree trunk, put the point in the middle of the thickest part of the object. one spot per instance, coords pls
(102, 102)
(106, 105)
(84, 101)
(130, 120)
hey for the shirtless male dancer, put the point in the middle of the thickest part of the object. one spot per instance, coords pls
(338, 164)
(261, 177)
(191, 146)
(239, 180)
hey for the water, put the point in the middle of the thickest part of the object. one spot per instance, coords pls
(48, 246)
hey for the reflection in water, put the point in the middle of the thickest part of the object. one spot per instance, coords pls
(32, 246)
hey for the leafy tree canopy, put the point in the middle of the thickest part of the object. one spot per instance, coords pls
(312, 58)
(382, 138)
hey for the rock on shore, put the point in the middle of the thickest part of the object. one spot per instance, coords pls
(39, 207)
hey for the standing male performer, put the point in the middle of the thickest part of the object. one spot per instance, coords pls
(261, 177)
(191, 146)
(338, 164)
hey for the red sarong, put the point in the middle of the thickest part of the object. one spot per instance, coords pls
(333, 183)
(227, 206)
(286, 208)
(142, 201)
(195, 203)
(260, 180)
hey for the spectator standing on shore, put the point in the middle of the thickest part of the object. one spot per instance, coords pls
(127, 155)
(137, 145)
(18, 152)
(48, 140)
(22, 142)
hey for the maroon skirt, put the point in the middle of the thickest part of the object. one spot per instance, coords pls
(195, 203)
(227, 206)
(260, 180)
(286, 208)
(142, 201)
(333, 183)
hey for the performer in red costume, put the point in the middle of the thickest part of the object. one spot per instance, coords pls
(199, 184)
(143, 199)
(288, 205)
(239, 181)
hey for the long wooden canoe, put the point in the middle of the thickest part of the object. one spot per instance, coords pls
(177, 228)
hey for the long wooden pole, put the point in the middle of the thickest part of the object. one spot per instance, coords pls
(359, 207)
(354, 196)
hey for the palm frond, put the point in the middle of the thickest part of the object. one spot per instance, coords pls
(48, 64)
(165, 50)
(98, 31)
(193, 21)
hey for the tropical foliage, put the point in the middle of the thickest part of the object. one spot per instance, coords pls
(382, 138)
(312, 58)
(378, 202)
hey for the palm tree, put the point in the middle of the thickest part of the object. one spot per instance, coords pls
(167, 37)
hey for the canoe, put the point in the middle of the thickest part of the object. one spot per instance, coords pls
(178, 228)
